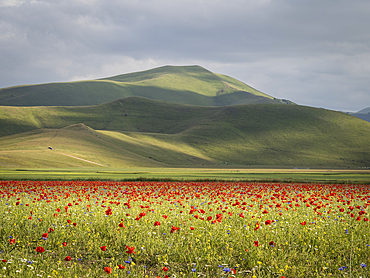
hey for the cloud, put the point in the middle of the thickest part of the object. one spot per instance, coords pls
(312, 52)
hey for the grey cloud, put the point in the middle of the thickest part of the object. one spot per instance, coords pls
(287, 48)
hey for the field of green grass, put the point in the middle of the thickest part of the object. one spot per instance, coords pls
(191, 174)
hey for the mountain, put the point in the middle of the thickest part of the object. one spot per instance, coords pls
(137, 131)
(364, 111)
(181, 84)
(362, 114)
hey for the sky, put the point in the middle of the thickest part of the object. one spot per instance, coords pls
(312, 52)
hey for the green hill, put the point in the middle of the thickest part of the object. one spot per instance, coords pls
(188, 85)
(142, 132)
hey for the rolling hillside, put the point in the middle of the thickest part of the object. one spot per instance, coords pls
(142, 132)
(188, 85)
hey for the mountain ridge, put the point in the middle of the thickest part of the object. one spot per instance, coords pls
(181, 84)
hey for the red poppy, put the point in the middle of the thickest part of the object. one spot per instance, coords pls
(209, 218)
(267, 222)
(174, 229)
(74, 224)
(121, 266)
(64, 243)
(191, 228)
(45, 235)
(69, 221)
(108, 212)
(51, 230)
(256, 243)
(67, 259)
(4, 261)
(271, 243)
(164, 216)
(157, 223)
(165, 268)
(103, 248)
(130, 250)
(40, 249)
(303, 223)
(108, 269)
(121, 225)
(11, 241)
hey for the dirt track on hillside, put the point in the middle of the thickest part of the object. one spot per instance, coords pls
(82, 159)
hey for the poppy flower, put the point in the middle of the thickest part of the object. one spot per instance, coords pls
(45, 235)
(303, 223)
(51, 230)
(74, 224)
(64, 243)
(267, 222)
(192, 228)
(11, 241)
(157, 223)
(103, 248)
(165, 268)
(130, 250)
(67, 259)
(69, 221)
(256, 243)
(209, 218)
(271, 243)
(108, 212)
(108, 269)
(40, 249)
(4, 261)
(121, 266)
(121, 225)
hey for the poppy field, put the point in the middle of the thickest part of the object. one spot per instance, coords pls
(183, 229)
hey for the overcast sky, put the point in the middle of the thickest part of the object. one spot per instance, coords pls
(312, 52)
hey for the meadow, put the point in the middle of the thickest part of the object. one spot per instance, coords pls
(183, 229)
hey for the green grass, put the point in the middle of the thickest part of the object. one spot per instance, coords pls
(190, 174)
(188, 85)
(142, 132)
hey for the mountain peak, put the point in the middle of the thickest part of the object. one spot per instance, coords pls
(190, 84)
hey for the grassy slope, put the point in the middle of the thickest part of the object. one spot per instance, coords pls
(80, 146)
(138, 131)
(188, 85)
